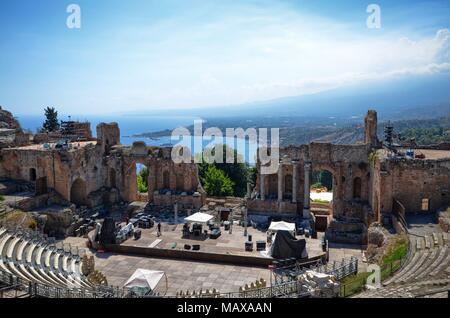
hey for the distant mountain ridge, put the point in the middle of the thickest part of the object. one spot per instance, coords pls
(402, 98)
(354, 134)
(337, 115)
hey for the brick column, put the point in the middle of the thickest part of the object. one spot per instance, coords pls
(306, 203)
(280, 182)
(262, 178)
(294, 180)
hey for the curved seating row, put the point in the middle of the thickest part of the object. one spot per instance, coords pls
(430, 258)
(427, 268)
(40, 262)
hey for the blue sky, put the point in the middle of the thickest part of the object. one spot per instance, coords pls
(144, 55)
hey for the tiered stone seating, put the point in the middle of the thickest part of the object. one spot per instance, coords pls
(427, 269)
(425, 255)
(425, 262)
(3, 242)
(405, 269)
(427, 242)
(424, 271)
(441, 252)
(406, 291)
(36, 261)
(444, 265)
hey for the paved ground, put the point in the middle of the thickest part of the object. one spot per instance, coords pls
(226, 244)
(339, 251)
(181, 275)
(434, 154)
(188, 275)
(428, 153)
(422, 224)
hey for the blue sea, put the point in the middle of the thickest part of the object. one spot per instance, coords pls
(132, 125)
(129, 125)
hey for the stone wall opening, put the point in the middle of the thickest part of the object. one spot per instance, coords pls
(322, 186)
(425, 206)
(142, 173)
(32, 175)
(166, 180)
(357, 188)
(287, 194)
(112, 178)
(41, 186)
(180, 182)
(272, 190)
(78, 192)
(321, 196)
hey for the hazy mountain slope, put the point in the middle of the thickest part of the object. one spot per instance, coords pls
(352, 134)
(402, 98)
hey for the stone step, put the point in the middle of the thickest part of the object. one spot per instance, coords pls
(402, 272)
(445, 238)
(431, 258)
(441, 267)
(435, 239)
(441, 252)
(419, 243)
(427, 242)
(423, 258)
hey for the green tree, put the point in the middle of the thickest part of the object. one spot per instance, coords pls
(217, 183)
(142, 180)
(238, 172)
(426, 136)
(322, 178)
(51, 122)
(252, 173)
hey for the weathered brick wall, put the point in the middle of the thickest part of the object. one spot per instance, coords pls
(164, 174)
(272, 206)
(410, 181)
(345, 162)
(60, 168)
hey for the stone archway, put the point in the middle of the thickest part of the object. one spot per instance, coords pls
(112, 178)
(41, 186)
(324, 207)
(33, 174)
(357, 188)
(273, 186)
(78, 192)
(320, 167)
(166, 180)
(180, 182)
(287, 187)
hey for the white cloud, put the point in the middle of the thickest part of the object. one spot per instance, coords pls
(239, 53)
(286, 59)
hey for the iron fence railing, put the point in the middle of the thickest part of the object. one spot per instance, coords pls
(342, 269)
(290, 286)
(45, 291)
(357, 284)
(287, 289)
(35, 289)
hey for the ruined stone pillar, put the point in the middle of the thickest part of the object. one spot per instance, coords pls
(175, 208)
(262, 178)
(294, 180)
(245, 219)
(306, 203)
(280, 182)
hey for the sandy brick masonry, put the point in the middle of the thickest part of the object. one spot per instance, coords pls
(366, 180)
